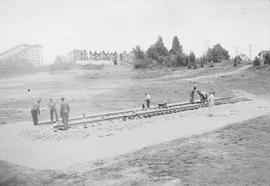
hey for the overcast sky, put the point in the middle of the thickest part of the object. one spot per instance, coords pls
(62, 25)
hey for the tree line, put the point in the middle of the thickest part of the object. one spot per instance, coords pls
(158, 54)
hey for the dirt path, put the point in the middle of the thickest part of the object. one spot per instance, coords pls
(182, 75)
(220, 74)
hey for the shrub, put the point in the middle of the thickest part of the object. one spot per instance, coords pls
(211, 64)
(168, 61)
(140, 58)
(267, 59)
(157, 50)
(256, 62)
(217, 53)
(182, 60)
(192, 60)
(142, 63)
(200, 61)
(138, 53)
(195, 65)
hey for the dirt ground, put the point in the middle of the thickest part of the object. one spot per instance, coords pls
(92, 91)
(237, 154)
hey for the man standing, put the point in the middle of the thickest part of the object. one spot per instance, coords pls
(211, 102)
(64, 112)
(192, 95)
(148, 100)
(53, 110)
(211, 90)
(35, 112)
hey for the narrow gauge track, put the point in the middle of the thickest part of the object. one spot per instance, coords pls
(124, 112)
(140, 114)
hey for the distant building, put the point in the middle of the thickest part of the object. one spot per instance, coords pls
(262, 55)
(83, 57)
(30, 53)
(243, 58)
(172, 52)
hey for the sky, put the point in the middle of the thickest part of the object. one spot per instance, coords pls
(63, 25)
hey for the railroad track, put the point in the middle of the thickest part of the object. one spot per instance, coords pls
(140, 113)
(124, 112)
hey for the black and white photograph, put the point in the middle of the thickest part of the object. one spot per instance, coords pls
(134, 92)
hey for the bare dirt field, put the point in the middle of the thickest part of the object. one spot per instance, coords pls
(99, 90)
(180, 149)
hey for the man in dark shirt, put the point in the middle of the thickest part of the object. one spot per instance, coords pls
(203, 96)
(192, 95)
(35, 112)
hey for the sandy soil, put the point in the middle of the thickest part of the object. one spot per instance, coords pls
(237, 154)
(43, 148)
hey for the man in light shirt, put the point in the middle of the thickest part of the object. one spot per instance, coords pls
(148, 100)
(64, 112)
(211, 102)
(53, 110)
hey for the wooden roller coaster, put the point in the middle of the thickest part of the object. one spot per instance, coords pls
(144, 113)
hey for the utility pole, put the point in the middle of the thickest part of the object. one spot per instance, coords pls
(236, 51)
(250, 51)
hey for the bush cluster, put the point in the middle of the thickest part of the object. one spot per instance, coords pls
(158, 54)
(217, 54)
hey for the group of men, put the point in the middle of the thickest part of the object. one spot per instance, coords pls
(64, 111)
(204, 98)
(64, 106)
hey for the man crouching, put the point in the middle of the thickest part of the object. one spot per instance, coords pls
(203, 96)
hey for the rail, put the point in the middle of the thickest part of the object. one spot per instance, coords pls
(140, 113)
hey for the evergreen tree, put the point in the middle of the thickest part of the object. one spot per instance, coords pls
(192, 59)
(120, 57)
(176, 45)
(267, 59)
(160, 47)
(157, 50)
(138, 53)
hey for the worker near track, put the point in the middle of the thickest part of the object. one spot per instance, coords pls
(64, 112)
(192, 93)
(211, 90)
(203, 96)
(35, 112)
(148, 100)
(211, 102)
(53, 111)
